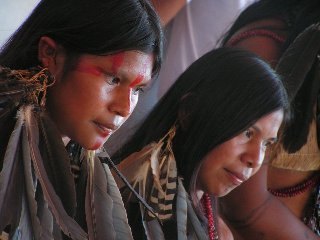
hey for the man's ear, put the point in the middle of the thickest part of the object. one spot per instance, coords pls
(47, 52)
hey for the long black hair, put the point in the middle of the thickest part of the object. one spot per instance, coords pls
(97, 27)
(218, 96)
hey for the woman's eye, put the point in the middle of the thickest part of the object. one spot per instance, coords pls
(138, 90)
(112, 80)
(268, 143)
(248, 133)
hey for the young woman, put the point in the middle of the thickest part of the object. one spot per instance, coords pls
(73, 70)
(207, 135)
(268, 28)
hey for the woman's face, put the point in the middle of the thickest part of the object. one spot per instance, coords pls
(234, 161)
(93, 99)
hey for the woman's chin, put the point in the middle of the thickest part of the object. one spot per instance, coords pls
(223, 192)
(95, 146)
(92, 145)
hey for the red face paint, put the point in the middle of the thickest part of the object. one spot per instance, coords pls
(89, 69)
(136, 82)
(117, 61)
(96, 145)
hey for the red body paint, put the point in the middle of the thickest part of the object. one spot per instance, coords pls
(97, 145)
(89, 69)
(117, 61)
(136, 82)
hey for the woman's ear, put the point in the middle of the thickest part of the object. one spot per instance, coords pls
(47, 51)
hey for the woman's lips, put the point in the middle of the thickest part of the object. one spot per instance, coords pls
(236, 178)
(105, 130)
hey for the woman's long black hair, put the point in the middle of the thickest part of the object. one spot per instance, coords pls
(217, 97)
(97, 27)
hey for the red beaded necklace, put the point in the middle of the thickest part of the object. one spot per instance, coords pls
(256, 32)
(207, 205)
(297, 189)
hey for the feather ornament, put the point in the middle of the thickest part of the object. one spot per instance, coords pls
(135, 167)
(56, 159)
(25, 227)
(104, 206)
(300, 77)
(68, 225)
(196, 230)
(163, 196)
(298, 59)
(105, 159)
(120, 219)
(11, 178)
(153, 172)
(153, 229)
(182, 211)
(96, 199)
(40, 218)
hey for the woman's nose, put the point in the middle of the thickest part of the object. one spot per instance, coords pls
(254, 155)
(123, 102)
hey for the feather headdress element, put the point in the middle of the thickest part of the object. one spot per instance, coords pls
(299, 68)
(152, 171)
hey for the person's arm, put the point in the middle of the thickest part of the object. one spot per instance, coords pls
(167, 9)
(253, 213)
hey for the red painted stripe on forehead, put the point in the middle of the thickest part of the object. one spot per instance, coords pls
(89, 69)
(117, 61)
(138, 80)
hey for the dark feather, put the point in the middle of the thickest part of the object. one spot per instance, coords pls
(11, 179)
(120, 218)
(105, 158)
(98, 203)
(25, 226)
(300, 76)
(40, 217)
(68, 225)
(57, 163)
(181, 211)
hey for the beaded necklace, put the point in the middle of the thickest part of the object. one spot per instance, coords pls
(312, 212)
(207, 206)
(256, 32)
(297, 189)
